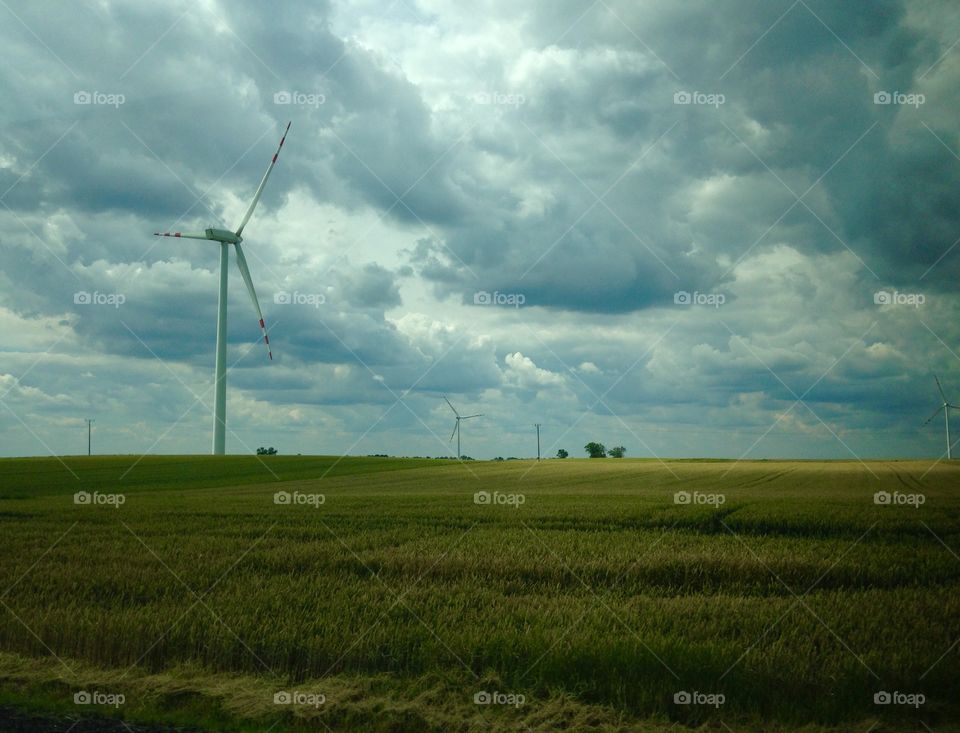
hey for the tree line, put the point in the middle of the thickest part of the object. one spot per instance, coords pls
(598, 450)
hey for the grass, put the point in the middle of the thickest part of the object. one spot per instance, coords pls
(597, 599)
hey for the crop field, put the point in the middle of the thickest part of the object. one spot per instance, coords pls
(315, 593)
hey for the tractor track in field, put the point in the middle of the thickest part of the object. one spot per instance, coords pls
(764, 479)
(913, 484)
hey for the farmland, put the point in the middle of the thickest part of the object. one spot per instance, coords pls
(386, 594)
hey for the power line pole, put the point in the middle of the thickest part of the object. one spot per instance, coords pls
(538, 440)
(89, 423)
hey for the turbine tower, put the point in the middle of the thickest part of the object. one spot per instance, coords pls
(456, 426)
(946, 407)
(225, 238)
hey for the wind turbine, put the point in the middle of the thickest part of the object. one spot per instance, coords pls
(225, 238)
(946, 407)
(456, 427)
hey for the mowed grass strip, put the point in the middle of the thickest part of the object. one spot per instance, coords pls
(796, 596)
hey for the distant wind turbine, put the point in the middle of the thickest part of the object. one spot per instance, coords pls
(456, 427)
(946, 407)
(225, 237)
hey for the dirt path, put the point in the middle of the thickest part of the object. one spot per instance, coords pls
(13, 720)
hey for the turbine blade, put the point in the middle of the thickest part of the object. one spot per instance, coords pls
(245, 273)
(263, 182)
(451, 406)
(455, 426)
(182, 235)
(940, 388)
(469, 416)
(939, 409)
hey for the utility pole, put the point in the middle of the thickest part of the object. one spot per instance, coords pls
(538, 440)
(89, 423)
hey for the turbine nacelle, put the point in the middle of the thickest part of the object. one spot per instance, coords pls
(223, 235)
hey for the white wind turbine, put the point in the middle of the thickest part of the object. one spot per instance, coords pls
(946, 407)
(225, 238)
(456, 427)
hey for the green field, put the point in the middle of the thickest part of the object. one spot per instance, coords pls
(582, 593)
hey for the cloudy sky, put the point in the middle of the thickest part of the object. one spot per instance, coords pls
(693, 229)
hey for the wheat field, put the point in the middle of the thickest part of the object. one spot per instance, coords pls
(315, 593)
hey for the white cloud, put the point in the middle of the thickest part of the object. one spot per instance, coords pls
(522, 372)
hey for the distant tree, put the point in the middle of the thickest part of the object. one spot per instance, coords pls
(595, 450)
(562, 453)
(617, 452)
(271, 451)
